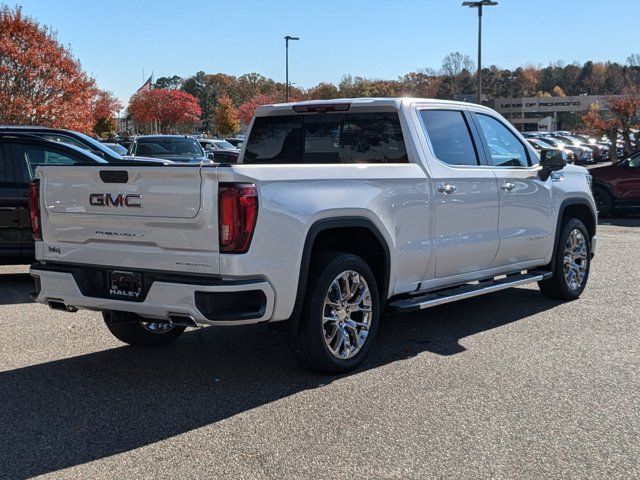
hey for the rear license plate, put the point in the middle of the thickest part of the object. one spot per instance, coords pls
(124, 285)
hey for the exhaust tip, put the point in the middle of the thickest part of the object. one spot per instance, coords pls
(182, 319)
(59, 305)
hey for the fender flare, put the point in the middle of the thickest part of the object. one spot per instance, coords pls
(329, 224)
(563, 206)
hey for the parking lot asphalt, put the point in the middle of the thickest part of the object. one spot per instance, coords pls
(509, 385)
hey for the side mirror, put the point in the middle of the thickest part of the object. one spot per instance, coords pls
(211, 156)
(551, 160)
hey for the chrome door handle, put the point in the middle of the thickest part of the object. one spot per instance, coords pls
(507, 187)
(447, 189)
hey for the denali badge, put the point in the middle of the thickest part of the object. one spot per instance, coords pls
(120, 200)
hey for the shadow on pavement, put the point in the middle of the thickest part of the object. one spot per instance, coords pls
(15, 288)
(621, 221)
(67, 412)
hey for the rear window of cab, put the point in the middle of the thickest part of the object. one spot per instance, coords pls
(326, 138)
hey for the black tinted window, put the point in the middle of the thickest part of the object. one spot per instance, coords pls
(32, 157)
(327, 138)
(450, 137)
(65, 139)
(505, 150)
(3, 167)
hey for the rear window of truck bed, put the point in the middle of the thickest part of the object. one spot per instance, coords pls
(326, 138)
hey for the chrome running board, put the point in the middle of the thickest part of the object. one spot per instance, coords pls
(467, 290)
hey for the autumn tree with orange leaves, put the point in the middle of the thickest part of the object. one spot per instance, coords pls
(168, 109)
(248, 108)
(103, 109)
(623, 116)
(41, 83)
(225, 117)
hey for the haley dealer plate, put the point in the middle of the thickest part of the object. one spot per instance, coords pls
(124, 285)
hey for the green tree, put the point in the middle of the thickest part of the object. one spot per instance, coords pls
(171, 83)
(323, 91)
(105, 127)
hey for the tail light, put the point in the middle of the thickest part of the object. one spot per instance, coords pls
(322, 107)
(34, 209)
(237, 214)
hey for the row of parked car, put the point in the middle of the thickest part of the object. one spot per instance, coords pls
(180, 148)
(616, 187)
(580, 149)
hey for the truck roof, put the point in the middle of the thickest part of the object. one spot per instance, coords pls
(362, 103)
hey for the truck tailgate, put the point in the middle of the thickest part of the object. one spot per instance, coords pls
(146, 217)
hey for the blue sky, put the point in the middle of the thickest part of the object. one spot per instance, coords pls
(115, 40)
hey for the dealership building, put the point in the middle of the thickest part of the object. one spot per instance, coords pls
(543, 113)
(547, 113)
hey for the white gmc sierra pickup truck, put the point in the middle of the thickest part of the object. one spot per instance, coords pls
(336, 211)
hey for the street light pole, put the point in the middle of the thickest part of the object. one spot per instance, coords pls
(479, 5)
(286, 43)
(512, 79)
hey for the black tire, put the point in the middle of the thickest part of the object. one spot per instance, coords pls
(129, 328)
(309, 344)
(604, 202)
(558, 286)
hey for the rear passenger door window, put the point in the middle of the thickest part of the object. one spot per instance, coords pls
(503, 148)
(450, 137)
(67, 140)
(29, 157)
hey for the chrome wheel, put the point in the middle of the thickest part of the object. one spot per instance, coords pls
(157, 327)
(575, 259)
(346, 315)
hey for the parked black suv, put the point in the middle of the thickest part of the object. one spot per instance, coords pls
(20, 154)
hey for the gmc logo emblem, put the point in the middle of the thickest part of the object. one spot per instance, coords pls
(120, 200)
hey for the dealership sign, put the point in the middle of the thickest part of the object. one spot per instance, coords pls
(579, 103)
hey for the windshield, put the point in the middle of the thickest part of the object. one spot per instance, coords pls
(634, 160)
(570, 140)
(96, 145)
(224, 145)
(584, 139)
(163, 147)
(116, 147)
(552, 142)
